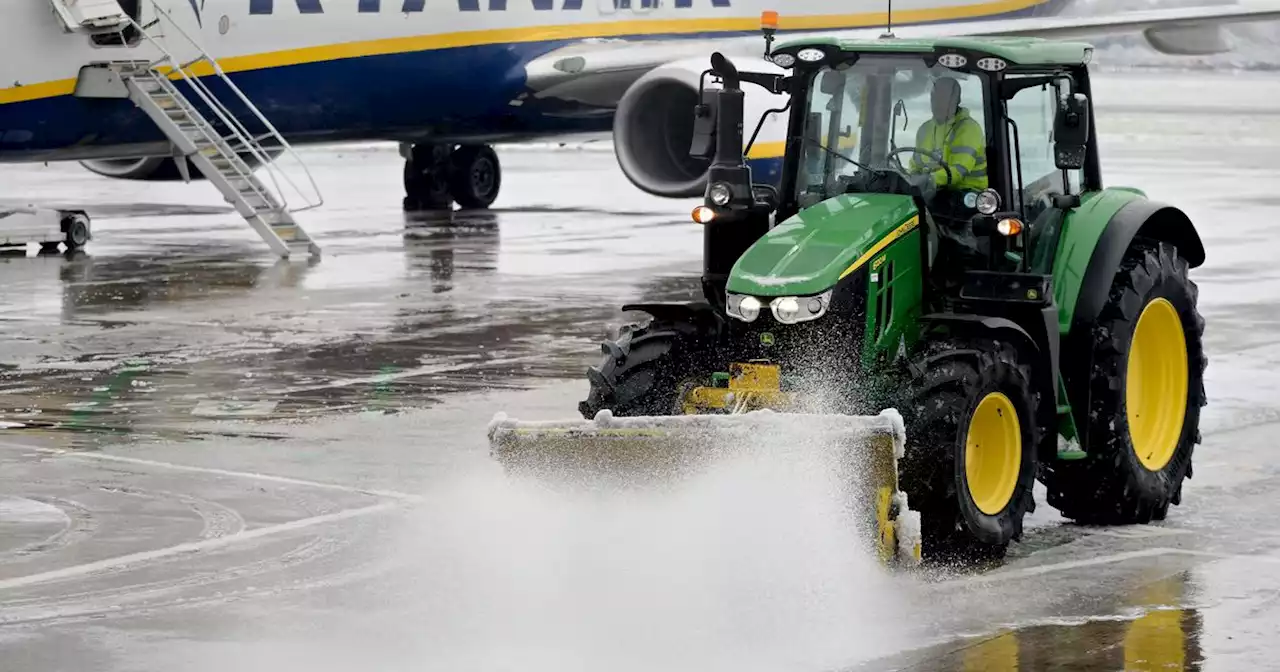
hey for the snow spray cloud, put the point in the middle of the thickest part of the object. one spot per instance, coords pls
(754, 564)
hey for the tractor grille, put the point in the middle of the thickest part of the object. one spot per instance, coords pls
(830, 345)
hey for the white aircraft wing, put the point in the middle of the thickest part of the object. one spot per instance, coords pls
(1084, 27)
(600, 71)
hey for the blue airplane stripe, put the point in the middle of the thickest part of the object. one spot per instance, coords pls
(351, 98)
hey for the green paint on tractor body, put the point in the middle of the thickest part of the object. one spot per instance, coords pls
(807, 253)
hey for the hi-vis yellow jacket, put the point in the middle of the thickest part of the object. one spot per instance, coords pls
(959, 142)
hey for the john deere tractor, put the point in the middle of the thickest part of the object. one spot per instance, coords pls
(1025, 321)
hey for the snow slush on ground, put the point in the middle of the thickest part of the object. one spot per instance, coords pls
(755, 562)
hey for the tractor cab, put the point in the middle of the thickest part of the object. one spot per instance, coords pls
(985, 139)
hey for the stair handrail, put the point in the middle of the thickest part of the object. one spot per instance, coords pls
(219, 142)
(237, 129)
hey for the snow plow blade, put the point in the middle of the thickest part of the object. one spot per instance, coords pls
(652, 451)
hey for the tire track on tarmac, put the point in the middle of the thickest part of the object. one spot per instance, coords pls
(80, 525)
(130, 600)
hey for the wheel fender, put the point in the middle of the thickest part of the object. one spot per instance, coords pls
(701, 314)
(1140, 217)
(984, 323)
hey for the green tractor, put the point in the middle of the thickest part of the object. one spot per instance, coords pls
(1025, 321)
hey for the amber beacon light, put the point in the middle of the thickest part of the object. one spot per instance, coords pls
(768, 26)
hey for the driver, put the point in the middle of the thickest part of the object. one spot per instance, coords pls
(955, 137)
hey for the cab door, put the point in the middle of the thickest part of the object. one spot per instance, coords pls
(1034, 174)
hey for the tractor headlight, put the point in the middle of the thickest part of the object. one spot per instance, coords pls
(793, 309)
(988, 201)
(720, 194)
(745, 308)
(786, 309)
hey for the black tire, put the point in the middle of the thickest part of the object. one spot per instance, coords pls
(426, 181)
(76, 228)
(475, 176)
(648, 369)
(951, 379)
(1112, 485)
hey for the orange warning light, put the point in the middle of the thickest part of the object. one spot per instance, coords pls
(769, 20)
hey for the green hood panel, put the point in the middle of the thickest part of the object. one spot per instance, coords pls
(809, 252)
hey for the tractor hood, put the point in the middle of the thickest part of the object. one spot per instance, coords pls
(809, 252)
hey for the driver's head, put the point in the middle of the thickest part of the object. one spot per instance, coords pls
(945, 99)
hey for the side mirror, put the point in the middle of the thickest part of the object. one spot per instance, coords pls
(705, 116)
(832, 83)
(1071, 132)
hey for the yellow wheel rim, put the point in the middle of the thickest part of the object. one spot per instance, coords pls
(993, 453)
(1156, 384)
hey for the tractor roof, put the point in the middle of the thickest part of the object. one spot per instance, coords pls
(1017, 50)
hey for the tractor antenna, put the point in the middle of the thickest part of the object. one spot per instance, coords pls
(888, 30)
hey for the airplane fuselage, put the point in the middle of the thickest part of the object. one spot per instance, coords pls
(337, 70)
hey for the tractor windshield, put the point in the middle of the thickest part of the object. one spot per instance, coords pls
(892, 113)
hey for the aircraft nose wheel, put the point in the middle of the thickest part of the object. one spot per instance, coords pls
(475, 176)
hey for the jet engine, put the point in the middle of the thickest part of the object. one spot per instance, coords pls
(653, 125)
(144, 168)
(155, 168)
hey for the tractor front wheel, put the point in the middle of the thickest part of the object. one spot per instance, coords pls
(1146, 391)
(648, 369)
(971, 457)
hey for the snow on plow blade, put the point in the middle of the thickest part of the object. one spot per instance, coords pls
(654, 451)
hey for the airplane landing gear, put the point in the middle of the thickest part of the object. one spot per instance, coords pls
(436, 176)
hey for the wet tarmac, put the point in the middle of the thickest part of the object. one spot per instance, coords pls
(220, 461)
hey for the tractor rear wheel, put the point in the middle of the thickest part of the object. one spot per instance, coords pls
(648, 369)
(1146, 392)
(971, 454)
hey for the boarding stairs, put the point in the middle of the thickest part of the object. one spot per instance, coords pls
(217, 147)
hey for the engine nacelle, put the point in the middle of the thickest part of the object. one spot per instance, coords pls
(1189, 40)
(151, 168)
(653, 127)
(157, 168)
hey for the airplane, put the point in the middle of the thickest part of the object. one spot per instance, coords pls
(147, 89)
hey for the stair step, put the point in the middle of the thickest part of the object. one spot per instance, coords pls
(276, 218)
(218, 155)
(300, 250)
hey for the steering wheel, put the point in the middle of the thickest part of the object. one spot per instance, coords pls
(915, 150)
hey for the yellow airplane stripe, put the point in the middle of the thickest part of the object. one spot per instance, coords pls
(401, 45)
(884, 242)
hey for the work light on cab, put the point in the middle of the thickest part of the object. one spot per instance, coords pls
(720, 194)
